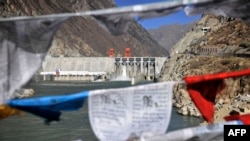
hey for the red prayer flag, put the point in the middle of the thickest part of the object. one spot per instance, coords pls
(196, 79)
(244, 118)
(203, 90)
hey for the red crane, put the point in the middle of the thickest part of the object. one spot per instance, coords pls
(127, 52)
(111, 52)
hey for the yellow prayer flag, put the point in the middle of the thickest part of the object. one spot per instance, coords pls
(6, 111)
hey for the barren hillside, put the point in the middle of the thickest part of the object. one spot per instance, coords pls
(215, 51)
(83, 36)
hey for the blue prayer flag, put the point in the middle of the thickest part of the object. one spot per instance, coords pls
(50, 107)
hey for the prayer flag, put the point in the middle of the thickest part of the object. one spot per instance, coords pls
(203, 90)
(245, 118)
(6, 111)
(50, 107)
(211, 132)
(23, 46)
(128, 113)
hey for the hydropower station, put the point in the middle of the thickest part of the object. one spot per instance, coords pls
(100, 68)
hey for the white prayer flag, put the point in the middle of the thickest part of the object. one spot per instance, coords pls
(128, 113)
(23, 46)
(213, 132)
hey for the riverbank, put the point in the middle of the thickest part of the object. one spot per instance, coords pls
(235, 97)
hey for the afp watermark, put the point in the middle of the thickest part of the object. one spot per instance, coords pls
(241, 132)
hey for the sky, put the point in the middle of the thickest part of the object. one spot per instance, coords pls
(176, 18)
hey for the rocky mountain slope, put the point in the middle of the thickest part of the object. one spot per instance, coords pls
(169, 35)
(82, 36)
(215, 51)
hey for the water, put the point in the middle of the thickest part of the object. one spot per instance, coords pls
(121, 74)
(74, 126)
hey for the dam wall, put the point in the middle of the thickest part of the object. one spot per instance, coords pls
(103, 68)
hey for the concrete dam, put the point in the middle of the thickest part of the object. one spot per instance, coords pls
(101, 68)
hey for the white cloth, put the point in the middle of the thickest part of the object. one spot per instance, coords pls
(128, 113)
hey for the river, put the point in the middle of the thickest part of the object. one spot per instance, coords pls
(74, 126)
